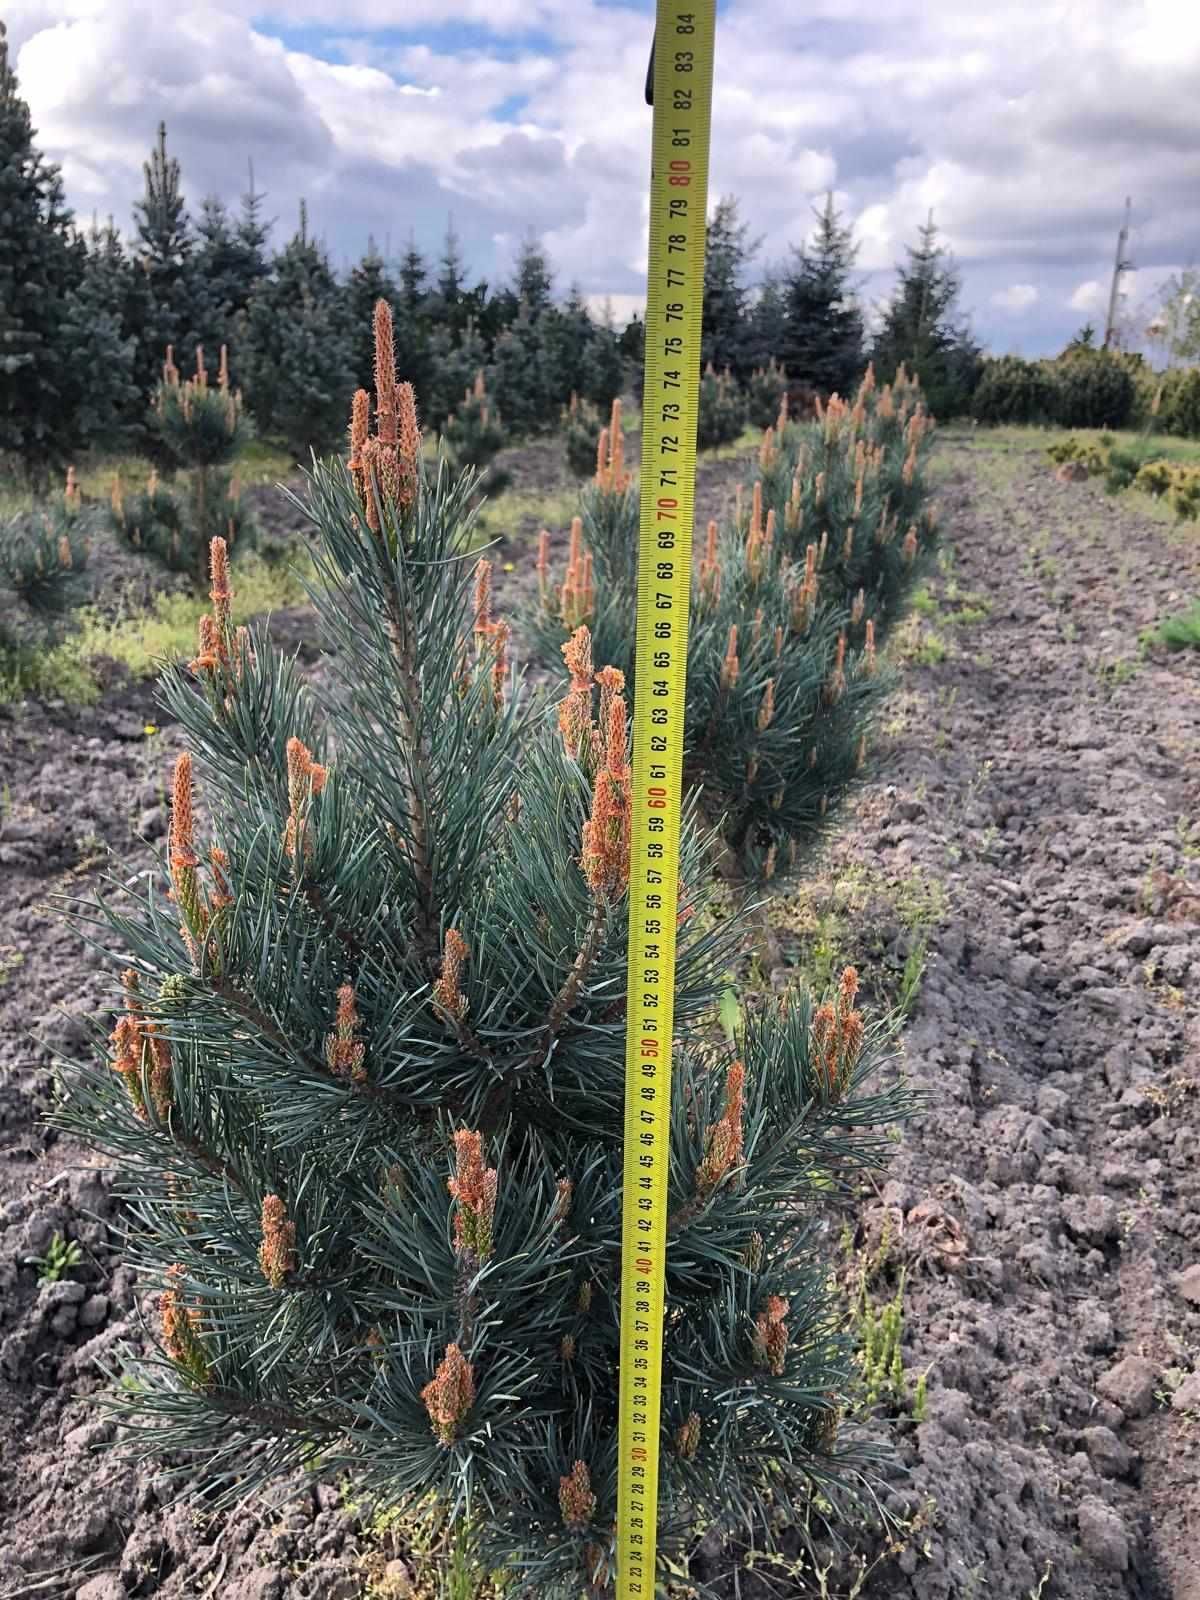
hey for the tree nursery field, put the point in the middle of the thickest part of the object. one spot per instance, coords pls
(342, 847)
(1015, 871)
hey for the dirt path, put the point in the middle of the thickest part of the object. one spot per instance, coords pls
(1038, 786)
(1049, 782)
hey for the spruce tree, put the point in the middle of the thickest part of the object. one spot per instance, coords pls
(520, 377)
(923, 331)
(533, 280)
(297, 356)
(414, 353)
(569, 337)
(366, 1084)
(368, 282)
(604, 378)
(169, 294)
(821, 342)
(229, 261)
(728, 253)
(42, 263)
(98, 387)
(414, 277)
(453, 306)
(766, 321)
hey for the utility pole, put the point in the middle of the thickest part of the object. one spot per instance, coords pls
(1120, 265)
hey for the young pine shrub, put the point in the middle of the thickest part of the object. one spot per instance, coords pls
(474, 435)
(722, 415)
(43, 556)
(581, 429)
(600, 572)
(1012, 389)
(783, 678)
(365, 1088)
(202, 429)
(1092, 389)
(766, 395)
(852, 482)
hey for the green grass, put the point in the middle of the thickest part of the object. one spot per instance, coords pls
(517, 512)
(1180, 632)
(1012, 437)
(259, 463)
(749, 439)
(141, 641)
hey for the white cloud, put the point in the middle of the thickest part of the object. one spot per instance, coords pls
(1024, 164)
(1018, 297)
(1089, 296)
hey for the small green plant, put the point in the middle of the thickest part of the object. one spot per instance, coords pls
(881, 1331)
(1180, 632)
(911, 975)
(60, 1257)
(1081, 451)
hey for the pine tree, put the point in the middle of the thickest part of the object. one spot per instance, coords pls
(729, 251)
(366, 1084)
(200, 427)
(788, 601)
(454, 365)
(922, 329)
(475, 434)
(822, 336)
(297, 356)
(42, 264)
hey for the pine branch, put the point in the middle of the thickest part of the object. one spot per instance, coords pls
(564, 1000)
(409, 707)
(320, 908)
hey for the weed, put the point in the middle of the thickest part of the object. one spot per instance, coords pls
(61, 1255)
(1180, 632)
(914, 644)
(1111, 674)
(911, 975)
(11, 960)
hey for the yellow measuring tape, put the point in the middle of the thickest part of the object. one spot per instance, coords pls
(682, 98)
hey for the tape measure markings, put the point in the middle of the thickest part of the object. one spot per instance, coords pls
(683, 63)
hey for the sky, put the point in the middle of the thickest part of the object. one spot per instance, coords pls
(1021, 124)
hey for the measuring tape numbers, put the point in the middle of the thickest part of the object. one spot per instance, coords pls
(682, 69)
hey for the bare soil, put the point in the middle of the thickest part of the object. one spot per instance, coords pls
(1039, 778)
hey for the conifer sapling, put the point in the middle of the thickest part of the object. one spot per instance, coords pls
(366, 1085)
